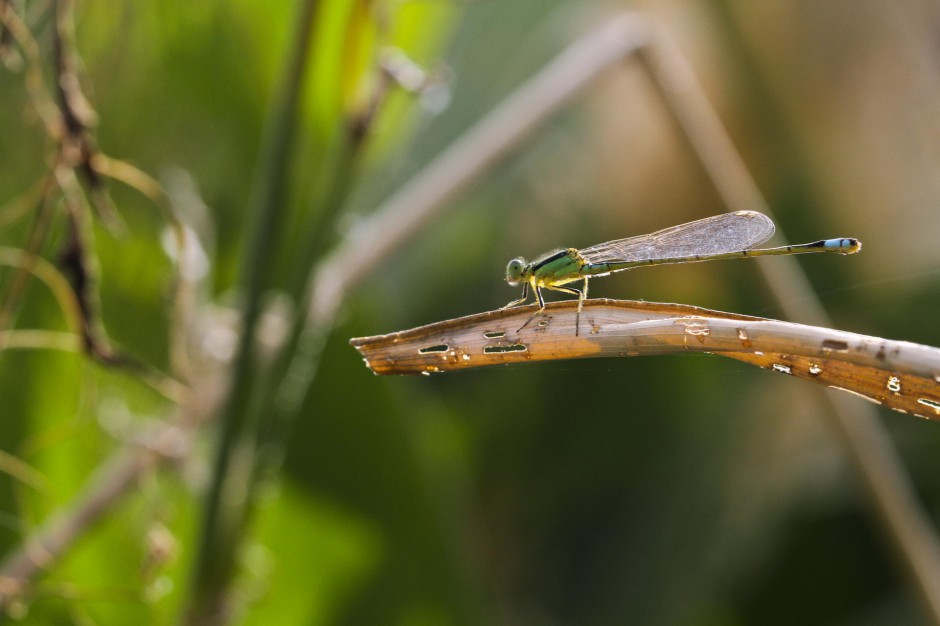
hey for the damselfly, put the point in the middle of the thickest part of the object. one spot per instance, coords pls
(727, 236)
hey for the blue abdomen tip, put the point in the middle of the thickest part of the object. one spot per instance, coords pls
(844, 245)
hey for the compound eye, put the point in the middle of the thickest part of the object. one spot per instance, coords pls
(514, 270)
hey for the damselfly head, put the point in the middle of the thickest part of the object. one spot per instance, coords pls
(515, 270)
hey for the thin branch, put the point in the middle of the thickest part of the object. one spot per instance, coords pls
(898, 374)
(78, 146)
(73, 130)
(76, 260)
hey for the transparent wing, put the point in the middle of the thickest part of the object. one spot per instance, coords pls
(729, 232)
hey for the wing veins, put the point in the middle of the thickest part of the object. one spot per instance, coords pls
(729, 232)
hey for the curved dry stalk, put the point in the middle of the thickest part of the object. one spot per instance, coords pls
(900, 375)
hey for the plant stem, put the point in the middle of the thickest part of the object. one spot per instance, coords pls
(231, 487)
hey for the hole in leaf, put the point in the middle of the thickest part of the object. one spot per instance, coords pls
(513, 347)
(931, 403)
(435, 348)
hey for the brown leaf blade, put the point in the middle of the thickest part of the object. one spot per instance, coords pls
(900, 375)
(906, 393)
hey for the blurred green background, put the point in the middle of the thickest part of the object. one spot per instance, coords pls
(667, 490)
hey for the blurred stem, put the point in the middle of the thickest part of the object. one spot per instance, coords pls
(231, 487)
(268, 424)
(272, 436)
(344, 157)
